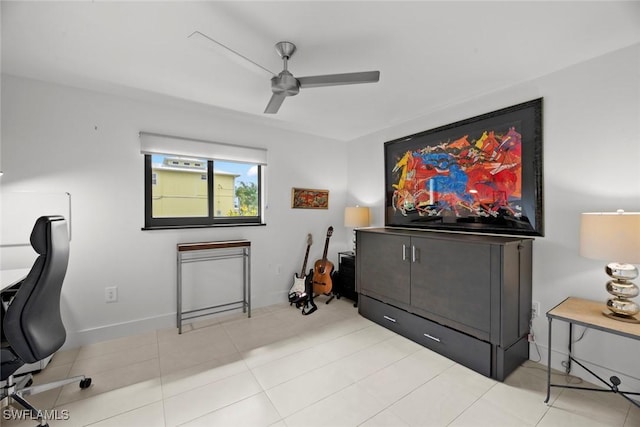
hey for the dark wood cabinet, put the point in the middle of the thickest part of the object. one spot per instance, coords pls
(451, 282)
(387, 272)
(465, 296)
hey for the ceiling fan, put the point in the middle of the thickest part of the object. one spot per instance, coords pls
(285, 84)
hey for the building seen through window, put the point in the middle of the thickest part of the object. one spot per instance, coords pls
(186, 188)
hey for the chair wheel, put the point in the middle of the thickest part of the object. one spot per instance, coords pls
(85, 383)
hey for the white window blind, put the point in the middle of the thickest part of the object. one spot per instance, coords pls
(154, 143)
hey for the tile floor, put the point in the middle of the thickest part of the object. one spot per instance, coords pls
(282, 369)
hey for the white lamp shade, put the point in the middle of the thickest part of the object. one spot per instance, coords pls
(357, 216)
(611, 236)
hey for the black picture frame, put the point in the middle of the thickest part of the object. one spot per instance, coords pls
(479, 175)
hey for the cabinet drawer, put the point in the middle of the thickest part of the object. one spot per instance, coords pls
(468, 351)
(390, 317)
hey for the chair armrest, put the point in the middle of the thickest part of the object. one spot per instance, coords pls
(7, 295)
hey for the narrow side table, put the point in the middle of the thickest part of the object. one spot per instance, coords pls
(212, 251)
(589, 314)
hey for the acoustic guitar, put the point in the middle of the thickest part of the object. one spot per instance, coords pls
(322, 270)
(298, 287)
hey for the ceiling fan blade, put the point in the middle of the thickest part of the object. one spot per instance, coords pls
(236, 56)
(274, 103)
(339, 79)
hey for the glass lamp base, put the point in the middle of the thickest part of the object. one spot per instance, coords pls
(620, 317)
(354, 241)
(622, 289)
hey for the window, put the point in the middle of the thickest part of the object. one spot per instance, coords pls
(197, 183)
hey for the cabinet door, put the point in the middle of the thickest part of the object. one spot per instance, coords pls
(384, 267)
(452, 279)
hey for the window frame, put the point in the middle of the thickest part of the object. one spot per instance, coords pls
(151, 223)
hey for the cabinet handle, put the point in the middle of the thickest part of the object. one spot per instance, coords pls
(413, 253)
(431, 337)
(390, 319)
(404, 252)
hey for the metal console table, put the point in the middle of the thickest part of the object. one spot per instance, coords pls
(211, 251)
(590, 315)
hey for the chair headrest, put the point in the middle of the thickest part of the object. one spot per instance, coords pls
(39, 232)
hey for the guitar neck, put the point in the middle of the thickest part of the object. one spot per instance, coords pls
(304, 264)
(326, 249)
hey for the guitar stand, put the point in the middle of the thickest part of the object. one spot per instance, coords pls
(332, 294)
(298, 300)
(308, 306)
(294, 297)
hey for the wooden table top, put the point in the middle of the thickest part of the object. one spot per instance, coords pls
(222, 244)
(590, 313)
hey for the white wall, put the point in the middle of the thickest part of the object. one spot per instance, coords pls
(59, 139)
(591, 163)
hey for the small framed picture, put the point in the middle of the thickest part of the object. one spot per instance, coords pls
(309, 198)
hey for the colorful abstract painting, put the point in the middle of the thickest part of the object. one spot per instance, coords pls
(482, 174)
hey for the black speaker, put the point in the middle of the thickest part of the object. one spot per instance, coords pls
(345, 278)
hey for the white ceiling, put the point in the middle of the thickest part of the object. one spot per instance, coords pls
(430, 54)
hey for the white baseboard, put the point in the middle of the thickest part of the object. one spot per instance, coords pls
(118, 330)
(124, 329)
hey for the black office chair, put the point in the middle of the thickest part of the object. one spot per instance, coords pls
(32, 326)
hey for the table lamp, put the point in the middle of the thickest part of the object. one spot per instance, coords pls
(615, 236)
(355, 217)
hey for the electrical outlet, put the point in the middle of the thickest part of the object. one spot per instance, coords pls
(111, 294)
(535, 309)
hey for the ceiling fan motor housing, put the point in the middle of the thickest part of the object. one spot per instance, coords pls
(285, 84)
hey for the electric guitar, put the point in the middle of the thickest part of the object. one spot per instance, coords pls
(299, 280)
(322, 270)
